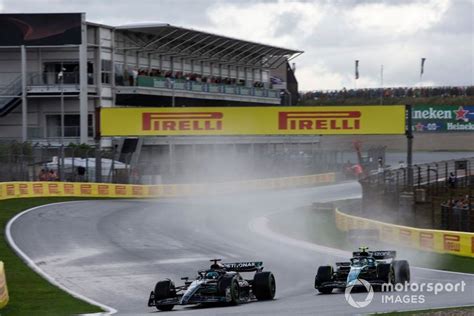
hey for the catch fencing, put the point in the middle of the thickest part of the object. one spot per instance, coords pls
(434, 177)
(24, 162)
(458, 217)
(155, 165)
(432, 199)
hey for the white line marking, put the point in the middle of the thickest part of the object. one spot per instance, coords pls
(259, 225)
(109, 310)
(180, 260)
(445, 271)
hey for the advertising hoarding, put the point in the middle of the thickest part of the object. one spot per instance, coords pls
(443, 118)
(320, 120)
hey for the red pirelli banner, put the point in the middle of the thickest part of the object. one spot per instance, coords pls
(321, 120)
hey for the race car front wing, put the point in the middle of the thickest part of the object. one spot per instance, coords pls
(343, 284)
(195, 299)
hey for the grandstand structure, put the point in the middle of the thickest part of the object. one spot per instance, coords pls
(50, 92)
(55, 77)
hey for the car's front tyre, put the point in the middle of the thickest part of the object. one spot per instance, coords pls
(324, 275)
(163, 290)
(230, 281)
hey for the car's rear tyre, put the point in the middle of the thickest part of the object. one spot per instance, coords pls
(325, 274)
(402, 271)
(264, 285)
(163, 290)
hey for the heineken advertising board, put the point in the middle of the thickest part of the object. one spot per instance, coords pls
(443, 118)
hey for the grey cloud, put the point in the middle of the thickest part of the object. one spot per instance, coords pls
(458, 19)
(184, 12)
(334, 42)
(285, 23)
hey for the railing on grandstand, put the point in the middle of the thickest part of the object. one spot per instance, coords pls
(52, 78)
(196, 86)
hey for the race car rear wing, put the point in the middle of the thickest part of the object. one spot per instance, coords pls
(377, 254)
(249, 266)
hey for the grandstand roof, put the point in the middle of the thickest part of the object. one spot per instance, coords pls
(173, 40)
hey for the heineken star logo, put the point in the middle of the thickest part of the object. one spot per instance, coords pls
(419, 127)
(461, 114)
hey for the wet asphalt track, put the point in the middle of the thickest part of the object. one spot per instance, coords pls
(115, 251)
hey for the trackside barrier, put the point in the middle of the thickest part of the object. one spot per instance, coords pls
(9, 190)
(3, 287)
(441, 241)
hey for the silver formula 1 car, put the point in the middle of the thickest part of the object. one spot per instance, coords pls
(375, 267)
(221, 283)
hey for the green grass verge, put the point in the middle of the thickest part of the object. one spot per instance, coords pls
(320, 228)
(30, 294)
(434, 312)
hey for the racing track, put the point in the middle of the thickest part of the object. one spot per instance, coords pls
(115, 251)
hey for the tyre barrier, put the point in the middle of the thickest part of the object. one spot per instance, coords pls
(3, 287)
(433, 240)
(9, 190)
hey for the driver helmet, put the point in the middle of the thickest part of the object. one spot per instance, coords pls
(212, 275)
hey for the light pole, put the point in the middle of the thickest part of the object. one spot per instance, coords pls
(290, 101)
(61, 83)
(381, 85)
(172, 93)
(286, 101)
(61, 87)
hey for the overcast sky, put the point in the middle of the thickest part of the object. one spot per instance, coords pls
(333, 33)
